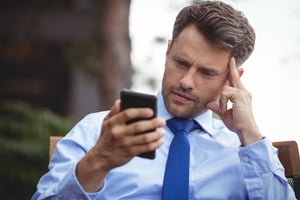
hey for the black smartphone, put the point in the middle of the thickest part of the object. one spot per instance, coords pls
(132, 99)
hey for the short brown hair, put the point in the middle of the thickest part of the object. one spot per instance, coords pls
(221, 24)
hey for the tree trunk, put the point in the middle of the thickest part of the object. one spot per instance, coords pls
(114, 51)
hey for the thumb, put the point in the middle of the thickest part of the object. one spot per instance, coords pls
(214, 106)
(114, 109)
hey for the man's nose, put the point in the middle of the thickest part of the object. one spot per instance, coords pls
(187, 80)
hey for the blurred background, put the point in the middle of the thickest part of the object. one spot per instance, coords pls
(62, 59)
(271, 73)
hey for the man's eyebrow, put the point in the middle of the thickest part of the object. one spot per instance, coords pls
(208, 70)
(201, 68)
(181, 59)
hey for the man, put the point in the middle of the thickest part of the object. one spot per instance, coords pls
(229, 158)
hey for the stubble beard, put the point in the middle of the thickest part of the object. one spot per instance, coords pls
(180, 110)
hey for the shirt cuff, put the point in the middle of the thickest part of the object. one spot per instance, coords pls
(70, 188)
(259, 158)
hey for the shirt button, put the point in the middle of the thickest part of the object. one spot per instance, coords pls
(246, 159)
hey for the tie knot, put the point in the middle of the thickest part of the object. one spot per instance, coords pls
(177, 125)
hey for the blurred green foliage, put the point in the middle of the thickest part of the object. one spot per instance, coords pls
(24, 146)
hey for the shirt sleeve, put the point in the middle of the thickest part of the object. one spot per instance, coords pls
(263, 173)
(60, 182)
(67, 188)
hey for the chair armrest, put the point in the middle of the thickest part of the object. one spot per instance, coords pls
(289, 156)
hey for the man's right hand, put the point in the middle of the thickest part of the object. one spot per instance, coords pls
(119, 143)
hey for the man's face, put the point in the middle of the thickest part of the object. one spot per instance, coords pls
(195, 73)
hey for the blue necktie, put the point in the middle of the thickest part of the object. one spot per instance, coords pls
(176, 179)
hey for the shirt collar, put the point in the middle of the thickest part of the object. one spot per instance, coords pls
(206, 121)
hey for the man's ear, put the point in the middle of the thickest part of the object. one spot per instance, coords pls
(241, 71)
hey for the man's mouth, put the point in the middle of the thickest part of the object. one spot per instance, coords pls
(181, 98)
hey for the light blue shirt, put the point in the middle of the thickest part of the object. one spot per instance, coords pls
(219, 167)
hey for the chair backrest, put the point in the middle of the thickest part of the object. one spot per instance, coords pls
(52, 145)
(288, 154)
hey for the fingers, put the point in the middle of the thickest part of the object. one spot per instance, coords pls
(144, 142)
(114, 109)
(234, 75)
(221, 106)
(138, 149)
(116, 121)
(233, 88)
(136, 113)
(213, 106)
(223, 100)
(139, 136)
(135, 128)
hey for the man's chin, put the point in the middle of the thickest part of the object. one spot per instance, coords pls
(185, 111)
(181, 112)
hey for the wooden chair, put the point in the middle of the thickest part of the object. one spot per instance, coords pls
(287, 151)
(53, 142)
(289, 157)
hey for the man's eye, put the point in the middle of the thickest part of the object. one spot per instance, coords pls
(181, 63)
(208, 73)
